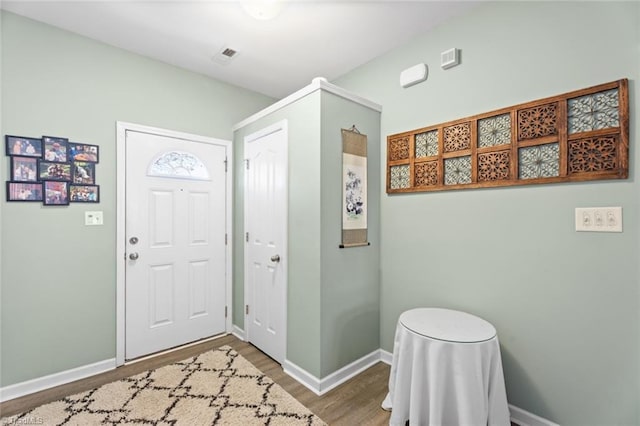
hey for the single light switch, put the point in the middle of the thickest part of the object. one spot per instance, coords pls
(93, 218)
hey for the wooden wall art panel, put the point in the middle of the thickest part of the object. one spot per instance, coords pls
(577, 136)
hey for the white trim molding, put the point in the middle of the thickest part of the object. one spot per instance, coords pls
(525, 418)
(239, 333)
(386, 357)
(41, 383)
(322, 386)
(318, 83)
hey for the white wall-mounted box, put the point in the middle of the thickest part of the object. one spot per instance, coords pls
(449, 58)
(414, 75)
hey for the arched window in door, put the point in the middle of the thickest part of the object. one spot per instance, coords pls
(178, 164)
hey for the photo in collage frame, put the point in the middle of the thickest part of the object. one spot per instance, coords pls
(51, 170)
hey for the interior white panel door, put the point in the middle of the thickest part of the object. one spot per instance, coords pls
(175, 230)
(266, 240)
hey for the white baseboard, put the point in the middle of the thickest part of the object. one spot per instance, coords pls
(309, 381)
(386, 357)
(322, 386)
(316, 385)
(41, 383)
(239, 333)
(525, 418)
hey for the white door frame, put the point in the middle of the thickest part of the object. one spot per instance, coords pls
(283, 126)
(121, 130)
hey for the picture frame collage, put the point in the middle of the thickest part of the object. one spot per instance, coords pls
(51, 170)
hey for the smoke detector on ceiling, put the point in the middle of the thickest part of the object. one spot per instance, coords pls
(225, 55)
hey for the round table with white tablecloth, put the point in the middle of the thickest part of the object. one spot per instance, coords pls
(446, 370)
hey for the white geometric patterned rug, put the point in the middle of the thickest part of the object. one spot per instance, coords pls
(218, 387)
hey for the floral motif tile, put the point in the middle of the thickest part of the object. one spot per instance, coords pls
(539, 161)
(457, 170)
(400, 177)
(538, 122)
(494, 131)
(457, 137)
(593, 154)
(426, 173)
(593, 112)
(427, 144)
(399, 148)
(494, 166)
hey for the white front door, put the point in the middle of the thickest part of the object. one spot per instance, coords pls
(175, 225)
(265, 214)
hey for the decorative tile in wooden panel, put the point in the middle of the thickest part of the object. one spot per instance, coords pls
(427, 144)
(457, 170)
(494, 166)
(538, 121)
(594, 112)
(539, 161)
(593, 154)
(457, 137)
(494, 131)
(577, 136)
(400, 177)
(399, 149)
(426, 173)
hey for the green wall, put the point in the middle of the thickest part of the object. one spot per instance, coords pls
(333, 294)
(565, 304)
(303, 291)
(58, 276)
(350, 299)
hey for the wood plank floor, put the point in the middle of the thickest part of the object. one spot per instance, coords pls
(356, 402)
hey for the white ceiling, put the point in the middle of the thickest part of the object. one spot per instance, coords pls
(277, 57)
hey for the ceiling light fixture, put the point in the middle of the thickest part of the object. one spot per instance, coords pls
(262, 9)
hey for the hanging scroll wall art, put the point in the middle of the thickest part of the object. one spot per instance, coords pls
(578, 136)
(354, 188)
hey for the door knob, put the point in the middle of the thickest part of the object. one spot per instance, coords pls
(133, 256)
(275, 258)
(133, 240)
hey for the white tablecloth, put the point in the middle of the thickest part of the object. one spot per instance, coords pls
(437, 382)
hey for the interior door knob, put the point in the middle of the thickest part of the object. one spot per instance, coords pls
(275, 258)
(133, 256)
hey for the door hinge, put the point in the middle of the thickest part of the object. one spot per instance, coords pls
(246, 237)
(226, 239)
(225, 164)
(246, 309)
(247, 163)
(225, 311)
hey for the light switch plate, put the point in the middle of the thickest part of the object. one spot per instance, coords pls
(93, 218)
(599, 219)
